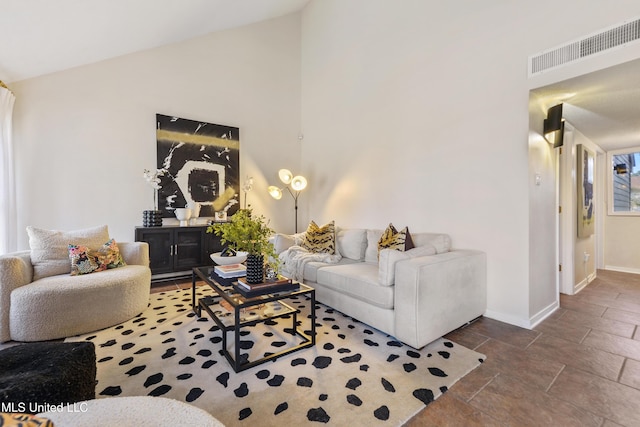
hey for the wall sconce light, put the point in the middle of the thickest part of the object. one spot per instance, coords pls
(554, 126)
(294, 184)
(620, 169)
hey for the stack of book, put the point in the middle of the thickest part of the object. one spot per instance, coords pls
(281, 284)
(231, 270)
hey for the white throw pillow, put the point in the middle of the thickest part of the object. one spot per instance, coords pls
(282, 242)
(351, 242)
(371, 253)
(50, 248)
(440, 241)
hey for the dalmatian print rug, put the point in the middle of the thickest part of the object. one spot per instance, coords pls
(355, 375)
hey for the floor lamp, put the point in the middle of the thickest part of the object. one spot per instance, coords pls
(294, 184)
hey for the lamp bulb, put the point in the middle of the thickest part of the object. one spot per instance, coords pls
(299, 183)
(275, 192)
(285, 175)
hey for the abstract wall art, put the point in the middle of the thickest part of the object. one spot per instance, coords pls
(202, 164)
(586, 206)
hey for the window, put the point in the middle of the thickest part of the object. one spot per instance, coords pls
(624, 196)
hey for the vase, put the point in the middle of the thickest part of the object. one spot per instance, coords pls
(195, 212)
(152, 218)
(255, 264)
(183, 215)
(270, 273)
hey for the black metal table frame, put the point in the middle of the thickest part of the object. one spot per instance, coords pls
(236, 362)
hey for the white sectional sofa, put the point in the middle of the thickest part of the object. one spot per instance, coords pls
(415, 296)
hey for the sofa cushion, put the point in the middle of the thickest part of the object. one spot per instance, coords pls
(440, 241)
(320, 239)
(351, 242)
(387, 265)
(358, 280)
(371, 253)
(310, 273)
(389, 258)
(62, 306)
(50, 248)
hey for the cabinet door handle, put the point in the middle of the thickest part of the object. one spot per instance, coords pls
(176, 250)
(171, 250)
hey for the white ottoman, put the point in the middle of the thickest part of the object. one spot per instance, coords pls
(136, 411)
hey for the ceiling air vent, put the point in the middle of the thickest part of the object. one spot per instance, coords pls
(590, 45)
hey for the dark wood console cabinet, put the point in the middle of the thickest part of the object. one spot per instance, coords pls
(175, 250)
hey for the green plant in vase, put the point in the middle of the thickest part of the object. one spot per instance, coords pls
(246, 233)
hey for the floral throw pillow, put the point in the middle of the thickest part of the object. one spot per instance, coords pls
(113, 258)
(85, 260)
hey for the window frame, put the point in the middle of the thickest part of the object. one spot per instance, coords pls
(610, 173)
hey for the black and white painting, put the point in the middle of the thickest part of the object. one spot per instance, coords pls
(201, 163)
(586, 169)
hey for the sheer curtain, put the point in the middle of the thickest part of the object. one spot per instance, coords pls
(8, 234)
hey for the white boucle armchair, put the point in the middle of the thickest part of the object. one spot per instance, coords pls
(62, 305)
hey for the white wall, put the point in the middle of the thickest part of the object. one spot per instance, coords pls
(543, 216)
(416, 113)
(621, 245)
(83, 136)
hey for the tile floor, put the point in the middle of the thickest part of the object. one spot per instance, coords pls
(580, 367)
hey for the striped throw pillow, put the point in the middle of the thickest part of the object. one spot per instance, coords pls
(394, 239)
(321, 240)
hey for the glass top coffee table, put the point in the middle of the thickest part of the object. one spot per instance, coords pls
(231, 311)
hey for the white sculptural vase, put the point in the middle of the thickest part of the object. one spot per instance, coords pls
(183, 215)
(195, 211)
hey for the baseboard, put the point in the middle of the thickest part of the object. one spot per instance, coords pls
(512, 320)
(524, 323)
(544, 313)
(622, 269)
(582, 284)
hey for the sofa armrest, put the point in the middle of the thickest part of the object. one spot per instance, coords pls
(437, 294)
(15, 271)
(135, 253)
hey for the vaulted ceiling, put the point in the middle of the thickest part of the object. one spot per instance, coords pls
(38, 37)
(43, 36)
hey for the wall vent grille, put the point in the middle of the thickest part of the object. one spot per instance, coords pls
(609, 38)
